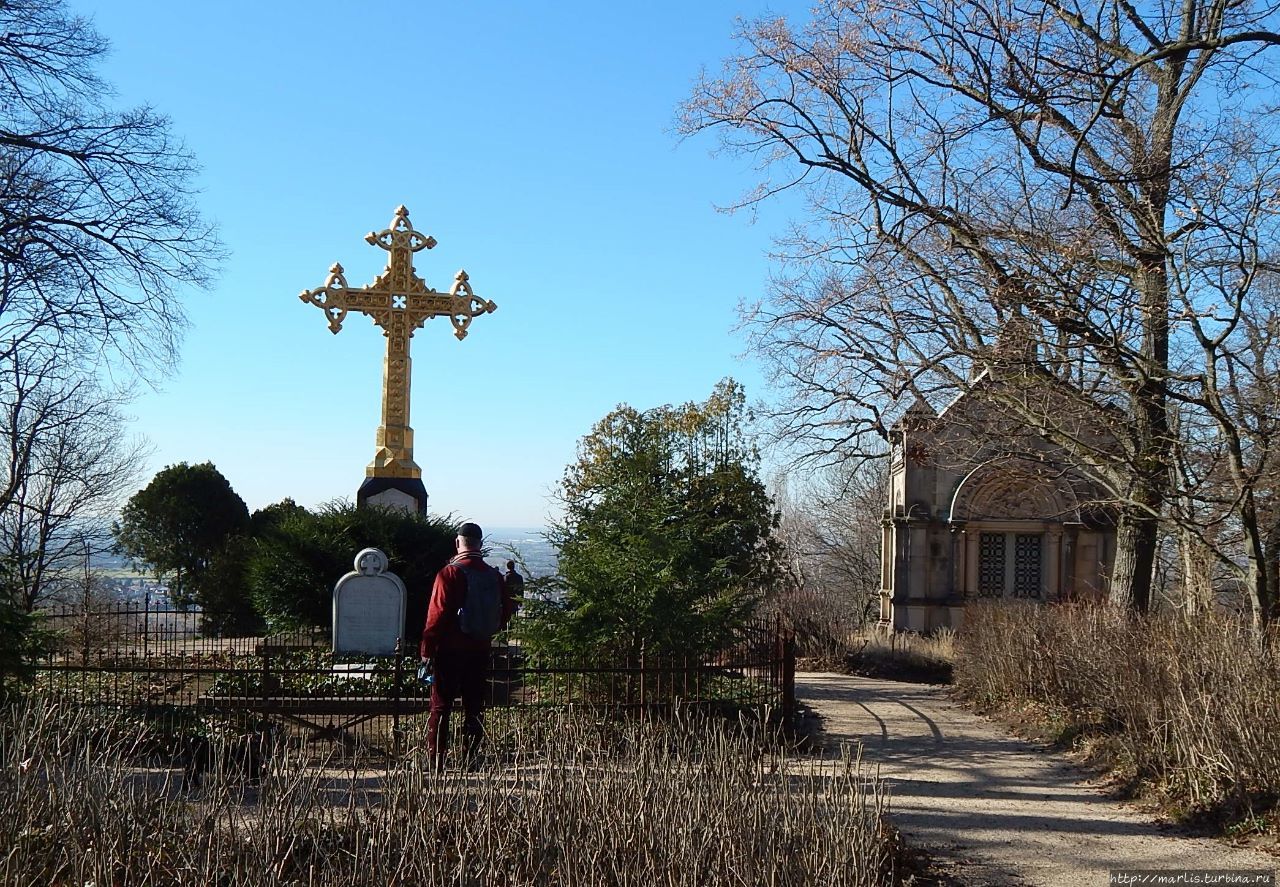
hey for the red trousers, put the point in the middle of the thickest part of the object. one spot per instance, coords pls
(457, 673)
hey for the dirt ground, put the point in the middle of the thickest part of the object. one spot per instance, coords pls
(991, 809)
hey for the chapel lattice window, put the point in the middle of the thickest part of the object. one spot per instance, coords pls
(1027, 563)
(991, 564)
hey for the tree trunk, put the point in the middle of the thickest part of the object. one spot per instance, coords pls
(1197, 585)
(1137, 536)
(1138, 533)
(1273, 572)
(1264, 569)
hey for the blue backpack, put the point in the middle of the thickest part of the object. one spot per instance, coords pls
(481, 613)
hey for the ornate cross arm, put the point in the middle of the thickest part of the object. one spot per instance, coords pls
(398, 300)
(331, 298)
(400, 234)
(461, 305)
(466, 305)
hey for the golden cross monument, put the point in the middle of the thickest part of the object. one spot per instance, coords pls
(399, 302)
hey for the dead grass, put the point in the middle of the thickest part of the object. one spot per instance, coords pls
(561, 798)
(1184, 709)
(832, 634)
(924, 659)
(904, 656)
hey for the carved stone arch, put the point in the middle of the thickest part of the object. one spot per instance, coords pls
(1014, 489)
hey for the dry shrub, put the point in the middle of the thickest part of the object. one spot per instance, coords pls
(1190, 704)
(827, 626)
(831, 632)
(562, 799)
(906, 656)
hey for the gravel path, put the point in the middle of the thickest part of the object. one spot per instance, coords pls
(990, 808)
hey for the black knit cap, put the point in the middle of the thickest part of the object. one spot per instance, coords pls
(471, 531)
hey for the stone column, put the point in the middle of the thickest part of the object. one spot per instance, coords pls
(918, 553)
(1070, 534)
(888, 564)
(959, 562)
(1053, 561)
(972, 538)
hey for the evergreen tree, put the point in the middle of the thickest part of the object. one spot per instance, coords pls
(667, 540)
(178, 524)
(21, 641)
(299, 555)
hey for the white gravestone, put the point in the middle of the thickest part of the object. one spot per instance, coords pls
(368, 607)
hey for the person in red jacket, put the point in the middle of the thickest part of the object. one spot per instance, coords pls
(459, 660)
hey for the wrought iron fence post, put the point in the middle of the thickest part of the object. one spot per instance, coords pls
(684, 678)
(266, 679)
(643, 668)
(787, 649)
(775, 661)
(395, 700)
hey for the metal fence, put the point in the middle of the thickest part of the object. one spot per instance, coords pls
(157, 661)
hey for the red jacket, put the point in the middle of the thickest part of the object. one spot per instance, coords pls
(448, 594)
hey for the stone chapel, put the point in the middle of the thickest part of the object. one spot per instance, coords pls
(981, 508)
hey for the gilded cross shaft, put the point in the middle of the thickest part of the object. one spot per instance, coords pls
(399, 303)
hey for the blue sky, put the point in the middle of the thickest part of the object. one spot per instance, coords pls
(534, 141)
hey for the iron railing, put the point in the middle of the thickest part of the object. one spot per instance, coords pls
(141, 657)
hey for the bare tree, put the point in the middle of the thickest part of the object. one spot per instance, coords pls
(1228, 450)
(98, 230)
(67, 484)
(99, 237)
(831, 533)
(1055, 195)
(92, 619)
(850, 501)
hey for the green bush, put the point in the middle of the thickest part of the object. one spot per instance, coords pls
(667, 541)
(178, 524)
(312, 673)
(300, 555)
(22, 640)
